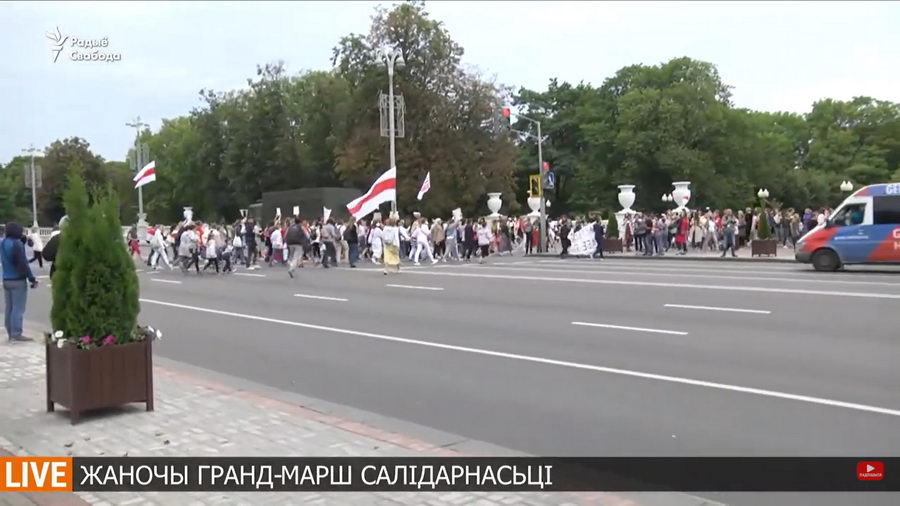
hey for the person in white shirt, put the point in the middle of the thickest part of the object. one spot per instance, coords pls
(376, 236)
(212, 252)
(277, 245)
(421, 235)
(37, 246)
(483, 232)
(405, 249)
(158, 249)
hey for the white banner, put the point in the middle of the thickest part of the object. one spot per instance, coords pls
(583, 242)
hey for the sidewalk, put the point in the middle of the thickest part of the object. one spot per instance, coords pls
(199, 416)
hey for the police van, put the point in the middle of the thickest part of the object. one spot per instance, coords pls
(864, 229)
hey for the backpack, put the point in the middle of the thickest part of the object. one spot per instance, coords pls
(350, 234)
(389, 239)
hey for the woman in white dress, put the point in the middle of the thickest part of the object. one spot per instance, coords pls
(376, 240)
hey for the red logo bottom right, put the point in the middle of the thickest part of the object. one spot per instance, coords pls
(870, 471)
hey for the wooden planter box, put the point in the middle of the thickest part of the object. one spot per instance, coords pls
(612, 245)
(761, 247)
(105, 377)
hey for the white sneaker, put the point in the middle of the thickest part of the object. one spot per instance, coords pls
(434, 261)
(417, 263)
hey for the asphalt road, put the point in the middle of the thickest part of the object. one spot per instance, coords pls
(574, 357)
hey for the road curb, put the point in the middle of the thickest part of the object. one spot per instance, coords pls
(771, 260)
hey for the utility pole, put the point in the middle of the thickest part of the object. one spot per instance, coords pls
(392, 59)
(540, 141)
(31, 151)
(139, 162)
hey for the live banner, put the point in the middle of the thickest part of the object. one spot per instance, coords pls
(472, 474)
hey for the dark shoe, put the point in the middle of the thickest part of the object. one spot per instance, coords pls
(20, 339)
(291, 274)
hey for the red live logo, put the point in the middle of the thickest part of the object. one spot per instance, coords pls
(870, 471)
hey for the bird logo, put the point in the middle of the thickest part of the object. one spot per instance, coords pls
(59, 42)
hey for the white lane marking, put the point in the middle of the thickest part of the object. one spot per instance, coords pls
(669, 274)
(414, 287)
(166, 281)
(683, 265)
(638, 329)
(336, 299)
(870, 295)
(548, 361)
(45, 276)
(712, 308)
(249, 274)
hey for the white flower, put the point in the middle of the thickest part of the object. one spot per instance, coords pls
(159, 334)
(58, 334)
(150, 329)
(60, 343)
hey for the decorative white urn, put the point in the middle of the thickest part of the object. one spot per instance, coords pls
(494, 204)
(681, 193)
(626, 197)
(534, 203)
(188, 213)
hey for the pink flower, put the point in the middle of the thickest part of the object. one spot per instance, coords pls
(85, 339)
(109, 340)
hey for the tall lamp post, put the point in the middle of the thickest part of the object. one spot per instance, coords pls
(392, 58)
(137, 124)
(540, 141)
(31, 151)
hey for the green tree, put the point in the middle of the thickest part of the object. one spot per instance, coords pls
(763, 232)
(95, 287)
(70, 256)
(612, 226)
(449, 116)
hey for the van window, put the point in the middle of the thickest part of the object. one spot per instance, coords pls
(887, 210)
(851, 214)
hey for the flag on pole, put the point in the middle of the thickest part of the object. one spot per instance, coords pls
(326, 213)
(426, 185)
(145, 175)
(384, 189)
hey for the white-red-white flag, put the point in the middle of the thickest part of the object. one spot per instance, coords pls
(384, 189)
(426, 185)
(145, 175)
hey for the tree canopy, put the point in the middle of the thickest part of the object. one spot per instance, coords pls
(647, 125)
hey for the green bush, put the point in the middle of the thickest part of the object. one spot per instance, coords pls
(764, 232)
(69, 253)
(95, 289)
(612, 226)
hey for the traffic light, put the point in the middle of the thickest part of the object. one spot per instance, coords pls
(502, 121)
(534, 185)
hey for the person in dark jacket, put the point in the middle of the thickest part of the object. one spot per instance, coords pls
(297, 241)
(16, 278)
(598, 237)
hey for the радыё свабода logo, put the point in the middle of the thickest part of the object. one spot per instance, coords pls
(59, 41)
(82, 49)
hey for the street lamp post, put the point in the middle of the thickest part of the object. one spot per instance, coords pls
(393, 58)
(137, 124)
(31, 151)
(543, 209)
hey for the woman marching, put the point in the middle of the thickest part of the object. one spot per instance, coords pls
(390, 238)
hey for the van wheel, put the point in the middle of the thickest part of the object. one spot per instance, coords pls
(826, 260)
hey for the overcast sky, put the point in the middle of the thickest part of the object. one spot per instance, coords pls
(776, 55)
